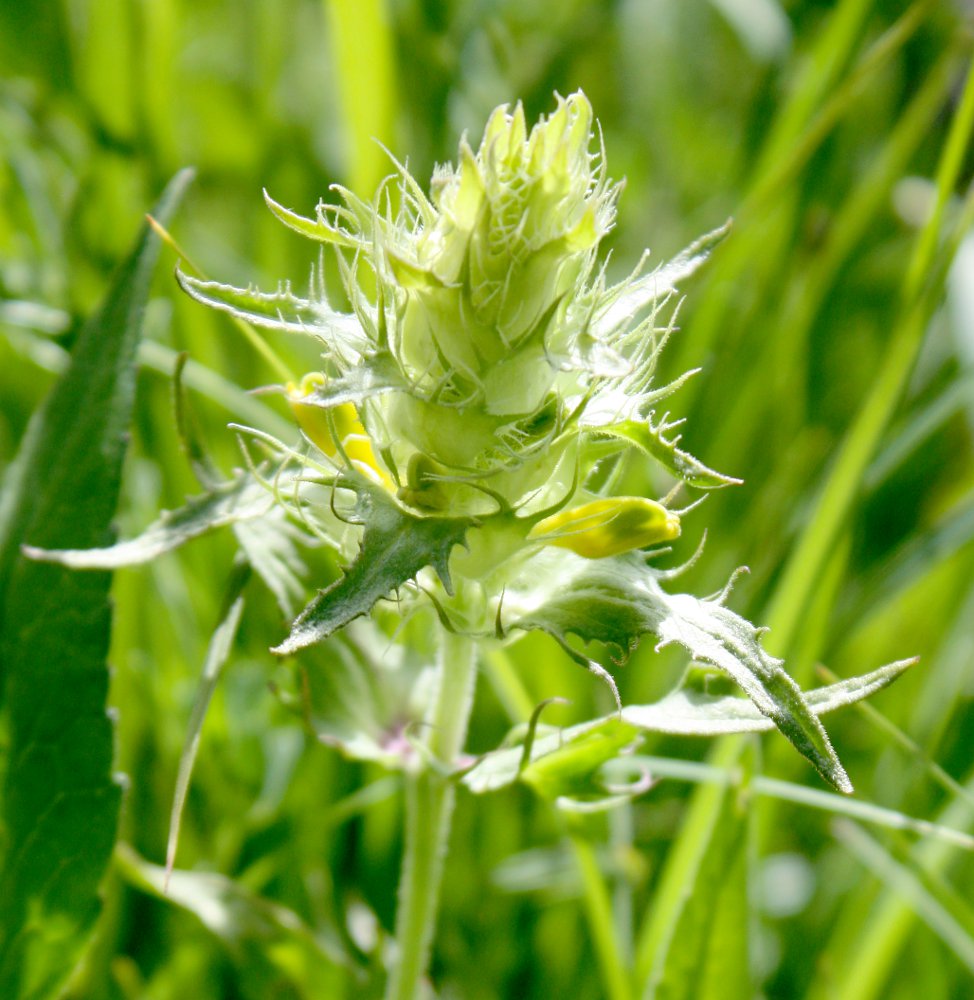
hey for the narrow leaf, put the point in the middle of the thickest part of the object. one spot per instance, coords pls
(240, 499)
(280, 310)
(702, 950)
(652, 441)
(683, 712)
(315, 229)
(627, 298)
(216, 657)
(692, 712)
(59, 799)
(271, 943)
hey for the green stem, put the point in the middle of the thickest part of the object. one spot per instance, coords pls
(601, 922)
(430, 796)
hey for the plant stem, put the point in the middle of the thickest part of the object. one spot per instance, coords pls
(430, 797)
(601, 922)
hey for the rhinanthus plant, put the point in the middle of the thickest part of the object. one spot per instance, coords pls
(457, 450)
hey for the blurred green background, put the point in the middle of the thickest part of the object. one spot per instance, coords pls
(836, 342)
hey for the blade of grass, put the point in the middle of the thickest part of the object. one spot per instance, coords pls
(945, 920)
(601, 922)
(851, 220)
(361, 45)
(844, 479)
(720, 774)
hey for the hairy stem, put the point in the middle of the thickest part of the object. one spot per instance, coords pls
(430, 796)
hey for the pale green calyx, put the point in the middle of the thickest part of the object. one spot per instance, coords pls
(489, 348)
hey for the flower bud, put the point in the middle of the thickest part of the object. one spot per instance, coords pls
(608, 527)
(326, 425)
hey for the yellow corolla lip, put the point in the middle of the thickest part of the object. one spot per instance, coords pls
(323, 425)
(608, 527)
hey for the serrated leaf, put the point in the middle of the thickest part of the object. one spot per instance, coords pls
(315, 229)
(60, 802)
(280, 310)
(617, 601)
(380, 374)
(240, 499)
(651, 440)
(692, 712)
(683, 712)
(396, 545)
(630, 296)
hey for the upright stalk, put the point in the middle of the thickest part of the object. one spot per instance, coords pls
(430, 796)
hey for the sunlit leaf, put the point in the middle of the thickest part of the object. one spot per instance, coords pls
(60, 801)
(239, 499)
(396, 545)
(620, 600)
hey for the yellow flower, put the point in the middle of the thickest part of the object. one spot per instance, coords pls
(608, 527)
(323, 425)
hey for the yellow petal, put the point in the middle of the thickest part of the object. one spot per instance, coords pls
(323, 424)
(608, 527)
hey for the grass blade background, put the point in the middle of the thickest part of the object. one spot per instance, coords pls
(60, 799)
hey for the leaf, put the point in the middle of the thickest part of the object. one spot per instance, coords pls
(318, 229)
(561, 762)
(617, 601)
(633, 294)
(240, 499)
(269, 544)
(652, 441)
(379, 374)
(692, 712)
(216, 656)
(396, 545)
(278, 953)
(280, 310)
(701, 950)
(684, 712)
(60, 802)
(363, 694)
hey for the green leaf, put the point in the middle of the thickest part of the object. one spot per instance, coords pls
(561, 762)
(216, 657)
(571, 768)
(635, 293)
(265, 535)
(60, 802)
(362, 694)
(278, 953)
(240, 499)
(379, 373)
(690, 711)
(269, 543)
(280, 310)
(318, 229)
(617, 601)
(702, 948)
(577, 752)
(653, 441)
(396, 545)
